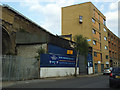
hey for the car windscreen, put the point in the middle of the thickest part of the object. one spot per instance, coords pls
(116, 70)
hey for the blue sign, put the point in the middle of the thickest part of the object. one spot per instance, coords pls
(58, 50)
(57, 60)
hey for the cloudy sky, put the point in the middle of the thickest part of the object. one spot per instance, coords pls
(47, 13)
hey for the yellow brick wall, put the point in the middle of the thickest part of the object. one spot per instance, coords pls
(7, 15)
(71, 25)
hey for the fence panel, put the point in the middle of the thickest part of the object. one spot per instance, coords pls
(19, 68)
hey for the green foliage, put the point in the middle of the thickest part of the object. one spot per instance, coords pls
(40, 51)
(82, 48)
(81, 44)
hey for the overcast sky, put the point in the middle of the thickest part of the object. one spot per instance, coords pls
(47, 13)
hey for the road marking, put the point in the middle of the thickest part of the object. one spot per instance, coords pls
(27, 82)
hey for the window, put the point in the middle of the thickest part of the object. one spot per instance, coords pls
(105, 38)
(99, 36)
(104, 29)
(94, 31)
(115, 70)
(93, 20)
(114, 38)
(95, 54)
(94, 12)
(111, 39)
(109, 52)
(108, 35)
(106, 47)
(100, 46)
(106, 56)
(101, 57)
(98, 16)
(94, 42)
(80, 19)
(99, 26)
(104, 22)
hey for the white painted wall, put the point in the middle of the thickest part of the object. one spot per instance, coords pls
(57, 71)
(90, 70)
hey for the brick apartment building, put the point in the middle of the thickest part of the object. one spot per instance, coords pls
(114, 49)
(87, 20)
(119, 51)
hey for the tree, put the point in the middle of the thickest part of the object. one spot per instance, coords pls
(81, 47)
(39, 52)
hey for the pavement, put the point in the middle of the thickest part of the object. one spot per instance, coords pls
(10, 83)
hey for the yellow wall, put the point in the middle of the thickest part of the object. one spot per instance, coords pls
(70, 20)
(71, 25)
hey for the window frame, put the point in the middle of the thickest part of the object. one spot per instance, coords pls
(105, 29)
(98, 16)
(100, 36)
(99, 27)
(93, 20)
(106, 56)
(94, 43)
(105, 38)
(106, 48)
(104, 22)
(94, 31)
(94, 12)
(80, 19)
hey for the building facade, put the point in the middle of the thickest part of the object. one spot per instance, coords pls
(114, 49)
(119, 51)
(85, 19)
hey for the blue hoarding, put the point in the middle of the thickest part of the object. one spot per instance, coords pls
(58, 50)
(52, 60)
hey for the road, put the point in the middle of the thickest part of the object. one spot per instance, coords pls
(100, 81)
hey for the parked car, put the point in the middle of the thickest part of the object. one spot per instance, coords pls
(107, 71)
(114, 78)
